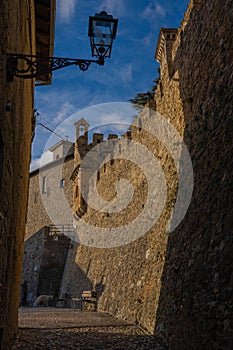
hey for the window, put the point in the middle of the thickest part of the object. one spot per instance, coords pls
(81, 130)
(57, 156)
(35, 197)
(62, 183)
(44, 185)
(140, 124)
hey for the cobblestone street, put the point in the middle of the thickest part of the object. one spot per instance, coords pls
(50, 328)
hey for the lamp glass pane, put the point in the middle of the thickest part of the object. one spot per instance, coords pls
(102, 29)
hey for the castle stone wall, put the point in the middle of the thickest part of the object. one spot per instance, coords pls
(195, 306)
(178, 285)
(127, 278)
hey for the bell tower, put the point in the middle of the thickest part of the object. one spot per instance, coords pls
(81, 127)
(81, 142)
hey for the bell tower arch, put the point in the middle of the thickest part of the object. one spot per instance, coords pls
(81, 127)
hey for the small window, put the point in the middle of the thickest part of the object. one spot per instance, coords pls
(57, 156)
(81, 130)
(98, 175)
(98, 141)
(62, 183)
(111, 161)
(82, 201)
(35, 197)
(140, 124)
(76, 192)
(161, 88)
(44, 185)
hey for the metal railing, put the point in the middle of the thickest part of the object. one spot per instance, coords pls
(61, 230)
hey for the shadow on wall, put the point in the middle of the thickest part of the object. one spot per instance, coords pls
(195, 305)
(75, 280)
(43, 263)
(49, 267)
(33, 250)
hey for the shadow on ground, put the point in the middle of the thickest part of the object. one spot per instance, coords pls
(51, 328)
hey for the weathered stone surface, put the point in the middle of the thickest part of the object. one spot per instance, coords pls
(16, 132)
(41, 205)
(195, 307)
(178, 285)
(187, 298)
(43, 264)
(59, 329)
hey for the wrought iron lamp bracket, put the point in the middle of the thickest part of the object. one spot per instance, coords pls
(33, 66)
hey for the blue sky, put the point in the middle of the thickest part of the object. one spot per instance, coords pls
(131, 69)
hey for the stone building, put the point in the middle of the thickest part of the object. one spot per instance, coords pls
(47, 185)
(177, 285)
(125, 278)
(195, 93)
(26, 27)
(82, 147)
(49, 217)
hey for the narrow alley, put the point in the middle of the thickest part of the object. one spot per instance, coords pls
(51, 328)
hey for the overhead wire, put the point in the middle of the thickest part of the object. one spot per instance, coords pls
(46, 127)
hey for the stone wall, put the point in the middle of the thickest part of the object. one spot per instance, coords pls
(195, 306)
(17, 35)
(55, 249)
(178, 285)
(41, 205)
(33, 252)
(127, 278)
(45, 255)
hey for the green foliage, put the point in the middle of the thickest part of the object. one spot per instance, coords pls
(142, 98)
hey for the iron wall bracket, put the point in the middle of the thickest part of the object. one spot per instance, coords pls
(33, 66)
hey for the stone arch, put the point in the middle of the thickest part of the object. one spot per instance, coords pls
(81, 128)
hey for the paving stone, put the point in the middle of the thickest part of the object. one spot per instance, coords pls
(50, 328)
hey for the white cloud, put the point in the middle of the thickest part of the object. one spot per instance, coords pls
(113, 117)
(65, 10)
(114, 7)
(38, 162)
(153, 10)
(125, 73)
(65, 111)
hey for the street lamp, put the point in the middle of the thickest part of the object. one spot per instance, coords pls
(102, 32)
